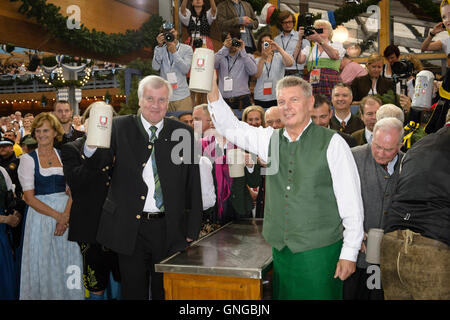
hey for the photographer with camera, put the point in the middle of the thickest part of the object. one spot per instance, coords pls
(271, 63)
(173, 60)
(198, 20)
(322, 57)
(234, 66)
(237, 16)
(288, 40)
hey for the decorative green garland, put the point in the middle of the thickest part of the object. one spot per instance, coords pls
(341, 15)
(430, 8)
(109, 45)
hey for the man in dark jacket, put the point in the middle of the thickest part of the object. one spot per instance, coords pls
(153, 206)
(415, 250)
(64, 112)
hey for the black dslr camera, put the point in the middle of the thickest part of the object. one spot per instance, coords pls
(306, 20)
(197, 42)
(403, 69)
(235, 42)
(168, 36)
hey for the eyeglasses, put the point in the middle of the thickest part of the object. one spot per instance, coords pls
(287, 22)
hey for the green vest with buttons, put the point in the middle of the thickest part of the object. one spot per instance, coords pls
(301, 210)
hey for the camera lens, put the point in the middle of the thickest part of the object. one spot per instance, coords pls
(235, 42)
(402, 68)
(197, 43)
(309, 31)
(266, 44)
(169, 37)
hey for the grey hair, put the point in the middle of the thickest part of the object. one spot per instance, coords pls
(389, 123)
(293, 81)
(390, 111)
(203, 106)
(155, 82)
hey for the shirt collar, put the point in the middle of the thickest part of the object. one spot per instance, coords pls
(347, 118)
(147, 125)
(285, 133)
(391, 165)
(289, 34)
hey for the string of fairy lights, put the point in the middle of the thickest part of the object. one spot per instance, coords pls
(60, 76)
(119, 97)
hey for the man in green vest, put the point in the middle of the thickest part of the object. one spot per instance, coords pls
(313, 210)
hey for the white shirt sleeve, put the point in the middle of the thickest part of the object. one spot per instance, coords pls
(339, 47)
(184, 19)
(207, 183)
(9, 184)
(445, 46)
(347, 190)
(254, 140)
(89, 151)
(26, 172)
(210, 17)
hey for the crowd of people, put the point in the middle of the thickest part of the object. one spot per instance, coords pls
(321, 177)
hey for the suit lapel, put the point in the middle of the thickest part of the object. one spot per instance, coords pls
(232, 7)
(141, 127)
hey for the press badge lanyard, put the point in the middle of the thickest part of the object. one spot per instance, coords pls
(285, 46)
(317, 55)
(228, 63)
(168, 56)
(268, 69)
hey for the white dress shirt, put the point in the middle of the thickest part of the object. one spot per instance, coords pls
(344, 173)
(368, 134)
(207, 183)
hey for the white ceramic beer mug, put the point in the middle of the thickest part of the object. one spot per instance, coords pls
(99, 126)
(236, 162)
(202, 70)
(373, 245)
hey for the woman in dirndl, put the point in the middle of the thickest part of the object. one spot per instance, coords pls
(198, 20)
(322, 58)
(51, 264)
(9, 276)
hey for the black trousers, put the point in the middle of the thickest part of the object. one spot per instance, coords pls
(266, 104)
(355, 287)
(138, 270)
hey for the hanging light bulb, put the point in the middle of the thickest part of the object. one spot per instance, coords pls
(340, 34)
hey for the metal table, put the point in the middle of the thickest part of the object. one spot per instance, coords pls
(229, 263)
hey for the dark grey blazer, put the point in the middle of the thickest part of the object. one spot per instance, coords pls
(377, 189)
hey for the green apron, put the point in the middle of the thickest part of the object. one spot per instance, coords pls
(307, 275)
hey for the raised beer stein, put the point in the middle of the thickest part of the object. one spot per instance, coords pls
(99, 126)
(236, 162)
(373, 245)
(202, 70)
